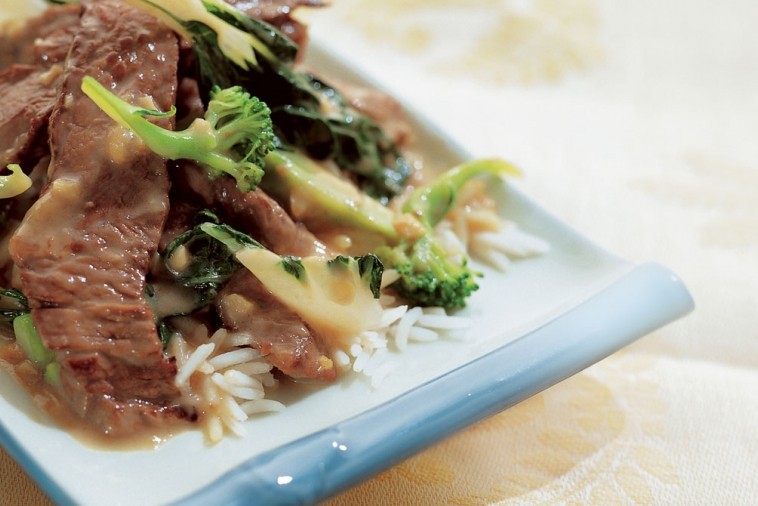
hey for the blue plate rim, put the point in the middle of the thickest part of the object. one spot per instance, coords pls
(330, 461)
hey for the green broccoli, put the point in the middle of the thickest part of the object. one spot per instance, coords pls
(233, 138)
(323, 196)
(14, 311)
(233, 49)
(430, 275)
(430, 203)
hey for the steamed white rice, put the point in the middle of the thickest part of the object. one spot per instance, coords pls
(225, 381)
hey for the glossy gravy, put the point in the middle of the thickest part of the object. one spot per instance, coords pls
(55, 412)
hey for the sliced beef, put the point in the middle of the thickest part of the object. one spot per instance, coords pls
(279, 333)
(279, 14)
(262, 217)
(28, 91)
(254, 213)
(85, 246)
(45, 37)
(247, 306)
(27, 95)
(60, 24)
(12, 211)
(28, 87)
(382, 108)
(244, 304)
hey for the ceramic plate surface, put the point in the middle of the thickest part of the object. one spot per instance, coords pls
(545, 319)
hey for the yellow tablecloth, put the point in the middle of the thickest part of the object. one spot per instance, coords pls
(637, 123)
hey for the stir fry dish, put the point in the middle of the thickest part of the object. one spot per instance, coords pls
(191, 215)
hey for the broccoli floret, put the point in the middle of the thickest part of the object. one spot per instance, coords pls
(430, 274)
(430, 203)
(232, 48)
(233, 138)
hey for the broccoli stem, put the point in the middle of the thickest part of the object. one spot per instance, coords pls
(325, 197)
(232, 139)
(29, 340)
(431, 203)
(197, 140)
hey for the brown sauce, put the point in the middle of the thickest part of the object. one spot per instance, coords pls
(52, 411)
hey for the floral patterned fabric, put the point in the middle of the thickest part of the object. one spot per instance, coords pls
(636, 123)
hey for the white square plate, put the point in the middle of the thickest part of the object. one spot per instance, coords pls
(547, 318)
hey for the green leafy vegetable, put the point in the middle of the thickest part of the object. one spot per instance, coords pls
(368, 268)
(13, 304)
(14, 311)
(29, 341)
(331, 129)
(201, 21)
(233, 138)
(430, 274)
(233, 49)
(207, 263)
(346, 289)
(209, 257)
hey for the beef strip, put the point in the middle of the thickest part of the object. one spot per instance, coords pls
(262, 217)
(45, 37)
(254, 213)
(12, 211)
(278, 332)
(26, 101)
(279, 14)
(84, 247)
(382, 108)
(244, 304)
(247, 306)
(61, 23)
(28, 91)
(28, 88)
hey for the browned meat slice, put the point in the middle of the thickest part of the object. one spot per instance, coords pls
(244, 303)
(28, 88)
(279, 14)
(254, 213)
(27, 95)
(262, 217)
(247, 306)
(83, 249)
(60, 24)
(45, 37)
(382, 108)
